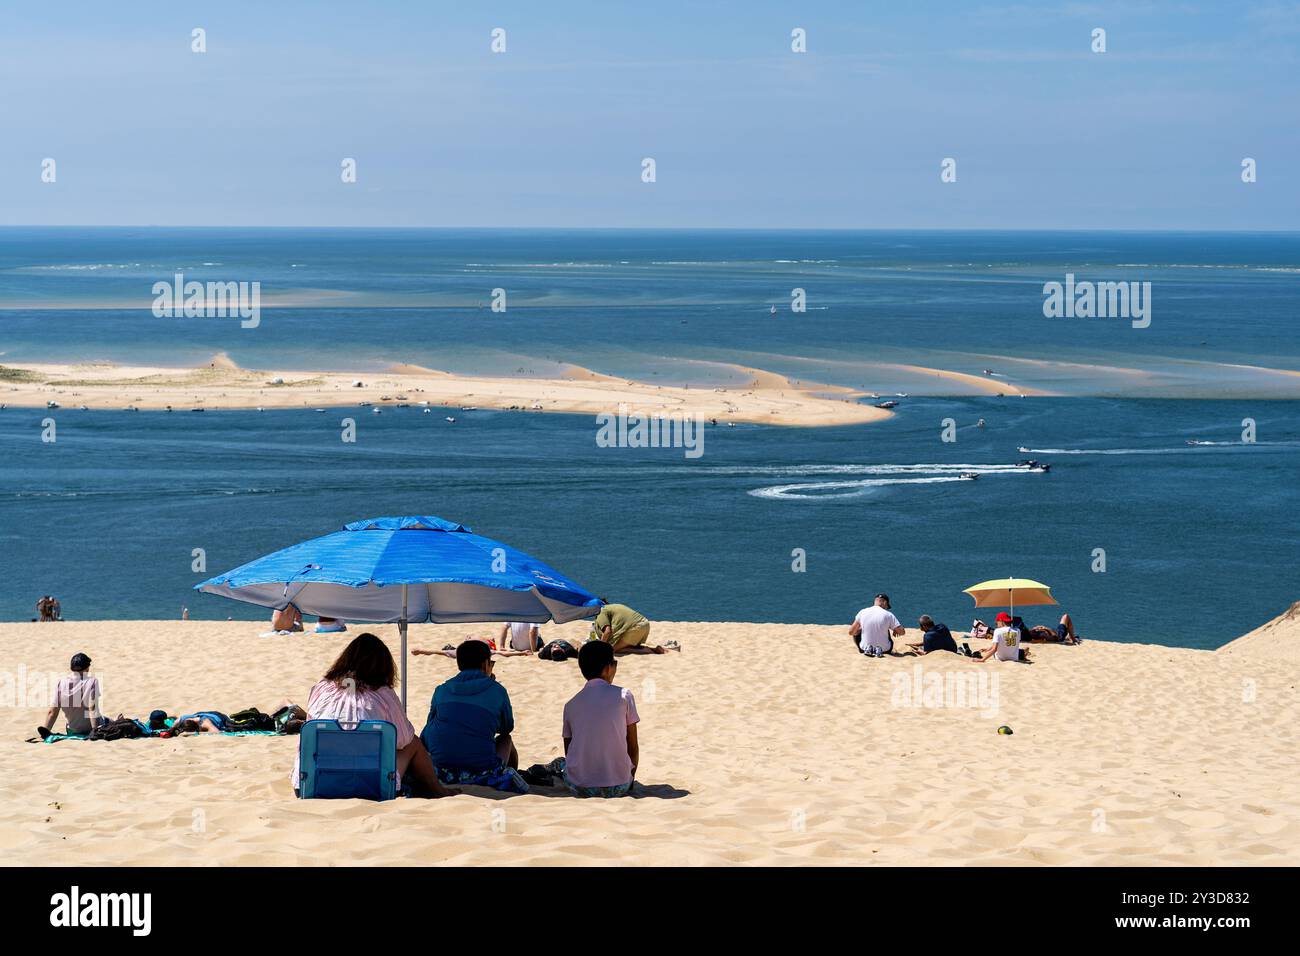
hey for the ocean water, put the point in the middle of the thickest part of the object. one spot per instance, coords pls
(671, 306)
(1200, 541)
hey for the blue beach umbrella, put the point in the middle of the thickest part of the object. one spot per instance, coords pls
(403, 569)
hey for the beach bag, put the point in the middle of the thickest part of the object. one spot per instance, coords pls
(250, 719)
(287, 721)
(120, 728)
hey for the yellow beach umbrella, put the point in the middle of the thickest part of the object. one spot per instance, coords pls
(1008, 592)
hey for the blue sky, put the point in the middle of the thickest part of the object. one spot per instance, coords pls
(745, 133)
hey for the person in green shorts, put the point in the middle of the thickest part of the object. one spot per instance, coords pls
(626, 631)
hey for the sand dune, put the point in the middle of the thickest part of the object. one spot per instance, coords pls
(761, 743)
(1279, 638)
(977, 383)
(768, 399)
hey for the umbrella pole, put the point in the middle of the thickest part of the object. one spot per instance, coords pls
(401, 628)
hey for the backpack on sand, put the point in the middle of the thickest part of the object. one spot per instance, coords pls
(251, 719)
(120, 728)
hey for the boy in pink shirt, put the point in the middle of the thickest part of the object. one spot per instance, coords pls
(600, 745)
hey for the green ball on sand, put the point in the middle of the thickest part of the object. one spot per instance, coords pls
(1005, 730)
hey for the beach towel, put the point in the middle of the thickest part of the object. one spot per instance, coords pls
(55, 738)
(500, 777)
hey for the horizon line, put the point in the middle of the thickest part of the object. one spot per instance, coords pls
(554, 228)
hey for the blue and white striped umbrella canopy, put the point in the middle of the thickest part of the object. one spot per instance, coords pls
(451, 575)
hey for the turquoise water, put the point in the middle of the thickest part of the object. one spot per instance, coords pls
(1200, 540)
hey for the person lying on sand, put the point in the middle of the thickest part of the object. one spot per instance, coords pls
(77, 696)
(626, 631)
(1063, 633)
(936, 637)
(601, 751)
(470, 721)
(200, 722)
(874, 628)
(359, 686)
(449, 650)
(1006, 642)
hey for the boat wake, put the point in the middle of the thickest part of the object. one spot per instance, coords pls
(1189, 448)
(920, 474)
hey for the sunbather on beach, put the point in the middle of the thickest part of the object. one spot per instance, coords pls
(1063, 633)
(330, 625)
(935, 637)
(601, 752)
(874, 628)
(200, 722)
(470, 721)
(77, 695)
(287, 619)
(1006, 642)
(359, 686)
(626, 631)
(450, 649)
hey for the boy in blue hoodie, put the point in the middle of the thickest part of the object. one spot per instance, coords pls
(470, 720)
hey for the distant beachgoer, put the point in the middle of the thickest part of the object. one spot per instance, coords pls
(56, 609)
(359, 686)
(521, 636)
(77, 696)
(43, 608)
(287, 619)
(601, 751)
(936, 637)
(626, 631)
(330, 625)
(874, 628)
(1063, 633)
(1006, 641)
(470, 722)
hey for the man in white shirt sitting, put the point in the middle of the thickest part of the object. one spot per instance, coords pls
(1006, 641)
(520, 636)
(874, 629)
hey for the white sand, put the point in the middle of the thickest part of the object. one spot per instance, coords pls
(766, 398)
(786, 745)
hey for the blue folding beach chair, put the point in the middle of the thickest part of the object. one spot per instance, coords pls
(338, 762)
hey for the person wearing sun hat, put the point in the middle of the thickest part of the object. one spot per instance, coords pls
(1006, 641)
